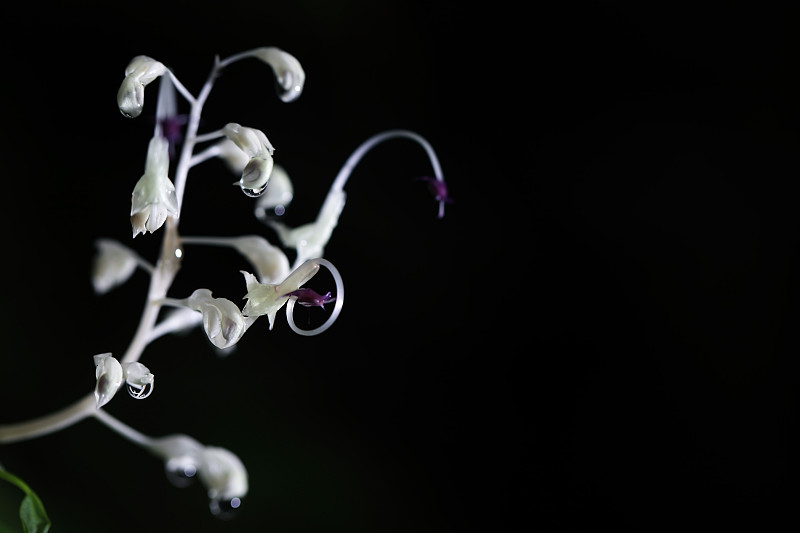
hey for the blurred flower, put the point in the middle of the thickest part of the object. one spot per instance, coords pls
(221, 471)
(310, 239)
(113, 264)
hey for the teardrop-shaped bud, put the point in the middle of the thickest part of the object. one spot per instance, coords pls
(109, 378)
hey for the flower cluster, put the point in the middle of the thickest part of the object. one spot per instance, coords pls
(272, 283)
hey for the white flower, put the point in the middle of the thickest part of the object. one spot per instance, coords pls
(233, 156)
(109, 376)
(310, 239)
(222, 320)
(267, 299)
(289, 73)
(222, 473)
(278, 195)
(139, 379)
(140, 71)
(253, 142)
(154, 195)
(219, 469)
(112, 266)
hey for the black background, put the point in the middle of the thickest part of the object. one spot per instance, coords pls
(599, 333)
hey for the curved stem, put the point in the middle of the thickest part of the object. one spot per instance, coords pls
(124, 429)
(51, 423)
(369, 144)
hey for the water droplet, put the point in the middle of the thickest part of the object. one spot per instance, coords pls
(225, 509)
(254, 193)
(140, 393)
(181, 473)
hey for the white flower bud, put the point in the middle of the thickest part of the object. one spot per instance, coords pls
(140, 71)
(109, 378)
(112, 266)
(253, 142)
(222, 473)
(233, 156)
(255, 176)
(289, 73)
(278, 195)
(153, 197)
(139, 379)
(222, 320)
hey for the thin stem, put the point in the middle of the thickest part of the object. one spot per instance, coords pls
(366, 146)
(51, 423)
(124, 429)
(185, 160)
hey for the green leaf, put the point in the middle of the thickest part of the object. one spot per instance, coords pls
(31, 510)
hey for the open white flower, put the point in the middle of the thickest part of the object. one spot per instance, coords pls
(267, 299)
(153, 197)
(140, 71)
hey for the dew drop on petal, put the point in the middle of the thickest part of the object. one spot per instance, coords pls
(254, 193)
(140, 393)
(225, 509)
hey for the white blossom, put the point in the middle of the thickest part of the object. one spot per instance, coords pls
(140, 71)
(254, 143)
(267, 299)
(222, 320)
(289, 72)
(112, 266)
(109, 376)
(153, 197)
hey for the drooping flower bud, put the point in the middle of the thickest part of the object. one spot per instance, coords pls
(221, 472)
(139, 379)
(222, 320)
(153, 197)
(289, 73)
(140, 71)
(257, 171)
(109, 378)
(113, 265)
